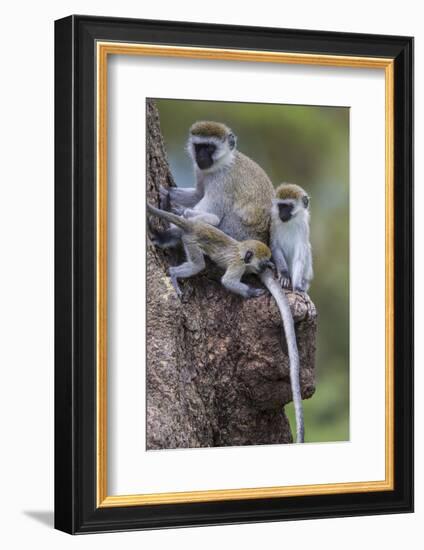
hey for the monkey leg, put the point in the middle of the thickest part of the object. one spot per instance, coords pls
(303, 287)
(194, 263)
(298, 276)
(184, 196)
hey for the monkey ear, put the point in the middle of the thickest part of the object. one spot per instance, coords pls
(305, 201)
(231, 140)
(248, 256)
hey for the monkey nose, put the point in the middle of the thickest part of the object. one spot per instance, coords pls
(285, 212)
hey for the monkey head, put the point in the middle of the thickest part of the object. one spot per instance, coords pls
(211, 145)
(291, 200)
(256, 256)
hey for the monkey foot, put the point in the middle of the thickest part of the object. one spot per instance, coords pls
(255, 292)
(285, 282)
(176, 286)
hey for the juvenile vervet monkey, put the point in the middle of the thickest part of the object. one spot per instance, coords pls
(233, 193)
(290, 245)
(237, 258)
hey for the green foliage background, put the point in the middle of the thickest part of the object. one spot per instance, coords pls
(307, 145)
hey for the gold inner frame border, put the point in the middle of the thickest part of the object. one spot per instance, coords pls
(103, 50)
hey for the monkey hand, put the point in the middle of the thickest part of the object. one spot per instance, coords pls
(284, 279)
(254, 292)
(177, 210)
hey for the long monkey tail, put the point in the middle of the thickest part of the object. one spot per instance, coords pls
(277, 292)
(179, 221)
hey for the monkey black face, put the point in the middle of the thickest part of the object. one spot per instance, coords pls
(285, 210)
(204, 155)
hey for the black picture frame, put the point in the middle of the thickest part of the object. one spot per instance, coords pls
(75, 275)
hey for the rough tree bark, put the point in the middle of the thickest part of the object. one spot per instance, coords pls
(216, 372)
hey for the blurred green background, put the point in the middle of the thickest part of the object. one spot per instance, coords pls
(307, 145)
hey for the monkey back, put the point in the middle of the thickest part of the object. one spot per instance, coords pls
(248, 195)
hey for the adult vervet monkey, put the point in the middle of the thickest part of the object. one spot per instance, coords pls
(234, 193)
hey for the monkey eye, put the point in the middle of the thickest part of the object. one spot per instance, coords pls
(231, 140)
(248, 256)
(305, 201)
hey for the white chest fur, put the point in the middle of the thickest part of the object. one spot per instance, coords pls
(290, 240)
(291, 237)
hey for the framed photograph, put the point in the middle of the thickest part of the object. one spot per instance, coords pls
(234, 274)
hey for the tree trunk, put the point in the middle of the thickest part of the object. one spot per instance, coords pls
(217, 368)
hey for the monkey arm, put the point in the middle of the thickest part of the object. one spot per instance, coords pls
(280, 262)
(282, 267)
(231, 281)
(187, 197)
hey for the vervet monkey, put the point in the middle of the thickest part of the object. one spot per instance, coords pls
(290, 245)
(233, 193)
(237, 258)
